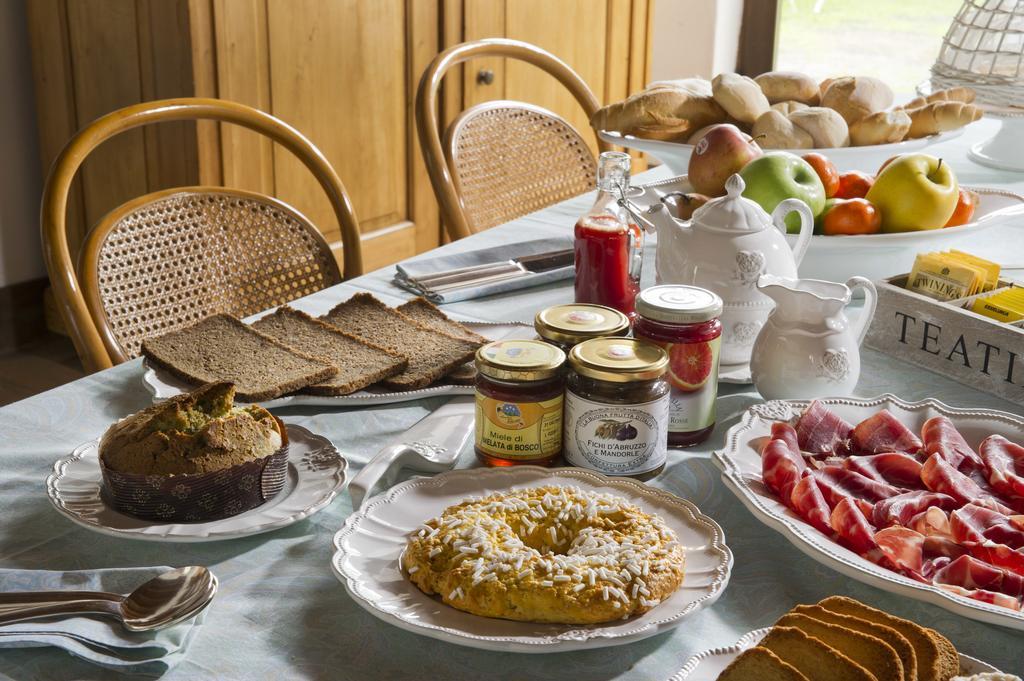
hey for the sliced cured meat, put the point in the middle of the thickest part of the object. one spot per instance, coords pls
(999, 555)
(901, 509)
(942, 547)
(808, 502)
(894, 468)
(781, 468)
(974, 523)
(939, 476)
(851, 484)
(821, 431)
(992, 597)
(932, 522)
(904, 548)
(881, 433)
(785, 432)
(941, 437)
(855, 533)
(1004, 465)
(970, 573)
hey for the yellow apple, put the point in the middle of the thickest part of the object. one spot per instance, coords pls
(915, 192)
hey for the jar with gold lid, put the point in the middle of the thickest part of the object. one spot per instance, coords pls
(570, 325)
(519, 398)
(616, 407)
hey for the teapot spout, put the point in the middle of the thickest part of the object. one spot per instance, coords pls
(658, 219)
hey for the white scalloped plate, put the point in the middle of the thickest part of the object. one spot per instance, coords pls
(162, 385)
(316, 473)
(740, 462)
(370, 543)
(706, 666)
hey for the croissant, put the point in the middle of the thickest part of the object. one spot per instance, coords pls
(882, 127)
(953, 94)
(939, 117)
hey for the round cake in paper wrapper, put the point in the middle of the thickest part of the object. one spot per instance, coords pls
(193, 458)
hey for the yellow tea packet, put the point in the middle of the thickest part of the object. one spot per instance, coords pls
(938, 276)
(1004, 306)
(991, 268)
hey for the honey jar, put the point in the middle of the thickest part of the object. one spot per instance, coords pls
(570, 325)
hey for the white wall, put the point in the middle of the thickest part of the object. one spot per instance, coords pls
(694, 38)
(20, 181)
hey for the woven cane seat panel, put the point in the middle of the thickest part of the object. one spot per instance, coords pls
(176, 260)
(510, 162)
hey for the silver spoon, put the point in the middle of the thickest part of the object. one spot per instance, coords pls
(165, 600)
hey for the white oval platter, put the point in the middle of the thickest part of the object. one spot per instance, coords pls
(316, 473)
(706, 666)
(368, 547)
(740, 462)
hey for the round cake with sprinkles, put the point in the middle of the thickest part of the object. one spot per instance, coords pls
(547, 554)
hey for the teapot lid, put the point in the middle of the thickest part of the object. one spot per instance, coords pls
(732, 212)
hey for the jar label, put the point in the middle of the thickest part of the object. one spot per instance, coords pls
(519, 430)
(693, 376)
(620, 439)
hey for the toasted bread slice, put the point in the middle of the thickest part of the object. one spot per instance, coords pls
(428, 314)
(360, 363)
(814, 659)
(895, 639)
(760, 664)
(222, 348)
(431, 354)
(935, 661)
(872, 653)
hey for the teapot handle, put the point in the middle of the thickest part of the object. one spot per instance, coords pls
(803, 240)
(870, 302)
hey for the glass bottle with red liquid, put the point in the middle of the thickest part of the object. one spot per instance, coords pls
(609, 246)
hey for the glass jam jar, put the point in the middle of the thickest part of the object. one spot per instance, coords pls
(616, 407)
(569, 325)
(519, 398)
(684, 321)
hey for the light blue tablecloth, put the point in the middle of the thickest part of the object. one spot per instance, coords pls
(280, 613)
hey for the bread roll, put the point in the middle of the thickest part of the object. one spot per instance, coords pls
(784, 86)
(855, 98)
(666, 129)
(823, 85)
(774, 131)
(740, 96)
(825, 126)
(786, 108)
(953, 94)
(699, 87)
(657, 107)
(939, 117)
(881, 127)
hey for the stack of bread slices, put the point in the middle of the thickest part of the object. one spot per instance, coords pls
(841, 639)
(360, 343)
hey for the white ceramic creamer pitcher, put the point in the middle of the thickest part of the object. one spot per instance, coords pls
(728, 244)
(808, 348)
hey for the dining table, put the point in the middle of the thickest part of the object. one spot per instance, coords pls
(281, 614)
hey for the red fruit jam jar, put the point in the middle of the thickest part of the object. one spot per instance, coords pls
(684, 321)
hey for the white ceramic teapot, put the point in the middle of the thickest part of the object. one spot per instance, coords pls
(808, 348)
(729, 243)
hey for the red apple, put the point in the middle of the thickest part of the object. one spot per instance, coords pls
(722, 152)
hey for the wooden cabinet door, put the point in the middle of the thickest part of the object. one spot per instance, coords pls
(344, 73)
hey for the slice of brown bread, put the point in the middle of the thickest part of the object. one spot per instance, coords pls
(463, 375)
(814, 659)
(934, 661)
(431, 354)
(360, 363)
(428, 314)
(760, 664)
(895, 639)
(222, 348)
(869, 652)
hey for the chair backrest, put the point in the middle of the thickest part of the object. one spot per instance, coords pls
(186, 242)
(442, 177)
(508, 159)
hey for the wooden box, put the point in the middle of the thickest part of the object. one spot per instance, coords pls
(946, 338)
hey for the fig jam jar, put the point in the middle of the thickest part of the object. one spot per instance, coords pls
(684, 321)
(616, 407)
(566, 326)
(519, 398)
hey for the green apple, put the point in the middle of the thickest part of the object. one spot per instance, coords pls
(915, 192)
(779, 175)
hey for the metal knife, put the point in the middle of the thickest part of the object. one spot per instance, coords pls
(527, 264)
(432, 445)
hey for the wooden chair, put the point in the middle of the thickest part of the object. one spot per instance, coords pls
(502, 159)
(169, 258)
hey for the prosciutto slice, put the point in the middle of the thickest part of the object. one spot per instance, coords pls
(1004, 464)
(881, 433)
(939, 476)
(932, 522)
(902, 508)
(904, 548)
(999, 555)
(892, 468)
(974, 523)
(992, 597)
(855, 533)
(837, 483)
(808, 502)
(782, 466)
(941, 437)
(821, 431)
(970, 573)
(785, 432)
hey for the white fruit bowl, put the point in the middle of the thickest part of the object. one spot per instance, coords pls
(875, 256)
(676, 155)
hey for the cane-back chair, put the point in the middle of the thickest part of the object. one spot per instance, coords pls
(502, 159)
(164, 260)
